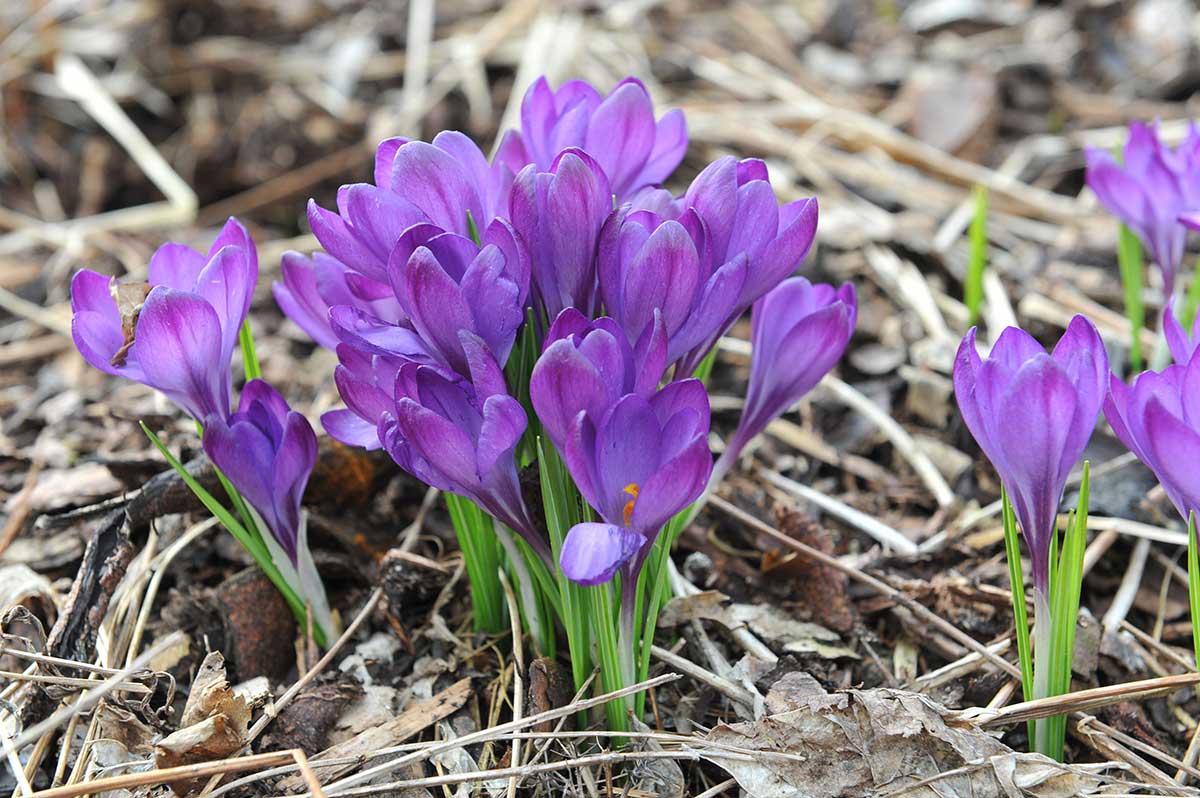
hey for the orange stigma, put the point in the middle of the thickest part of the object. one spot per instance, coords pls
(632, 490)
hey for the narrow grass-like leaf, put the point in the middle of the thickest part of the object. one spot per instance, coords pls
(249, 356)
(1193, 299)
(1129, 259)
(977, 259)
(1194, 585)
(1012, 551)
(704, 370)
(481, 557)
(1065, 590)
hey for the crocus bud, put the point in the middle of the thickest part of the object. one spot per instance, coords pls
(558, 215)
(267, 451)
(177, 332)
(799, 332)
(1032, 413)
(1149, 189)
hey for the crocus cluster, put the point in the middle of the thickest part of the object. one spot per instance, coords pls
(176, 333)
(434, 272)
(1153, 189)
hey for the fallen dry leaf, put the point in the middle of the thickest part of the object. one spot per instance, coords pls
(769, 623)
(882, 742)
(214, 723)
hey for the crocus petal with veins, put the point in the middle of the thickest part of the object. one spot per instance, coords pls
(619, 131)
(1032, 414)
(799, 332)
(180, 338)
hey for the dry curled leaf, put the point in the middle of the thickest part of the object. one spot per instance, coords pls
(130, 298)
(214, 723)
(882, 742)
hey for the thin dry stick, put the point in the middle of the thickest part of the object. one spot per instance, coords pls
(1082, 701)
(10, 753)
(727, 688)
(82, 86)
(905, 446)
(881, 532)
(717, 789)
(514, 619)
(70, 681)
(877, 585)
(198, 770)
(306, 772)
(1130, 583)
(312, 672)
(609, 758)
(160, 568)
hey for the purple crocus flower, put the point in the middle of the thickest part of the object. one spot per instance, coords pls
(799, 332)
(448, 287)
(1158, 418)
(1149, 190)
(1032, 414)
(638, 465)
(1181, 345)
(558, 214)
(650, 266)
(587, 366)
(268, 451)
(455, 434)
(730, 212)
(175, 333)
(441, 183)
(619, 131)
(311, 286)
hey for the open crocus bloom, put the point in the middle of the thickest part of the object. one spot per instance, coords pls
(639, 465)
(458, 435)
(177, 332)
(1032, 413)
(588, 366)
(619, 131)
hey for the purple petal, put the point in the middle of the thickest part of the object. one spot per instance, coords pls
(178, 346)
(592, 553)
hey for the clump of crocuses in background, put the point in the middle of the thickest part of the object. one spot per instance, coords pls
(1032, 413)
(176, 333)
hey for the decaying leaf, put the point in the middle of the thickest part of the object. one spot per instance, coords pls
(214, 723)
(130, 298)
(769, 623)
(879, 742)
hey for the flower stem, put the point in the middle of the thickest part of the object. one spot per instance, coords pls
(1042, 651)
